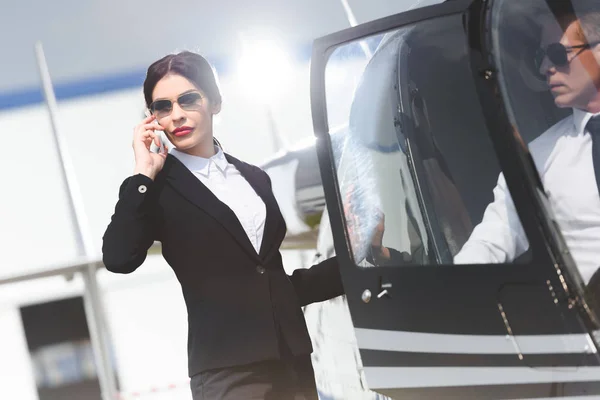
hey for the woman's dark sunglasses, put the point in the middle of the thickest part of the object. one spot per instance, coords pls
(558, 54)
(187, 101)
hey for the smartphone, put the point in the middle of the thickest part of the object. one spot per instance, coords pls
(162, 144)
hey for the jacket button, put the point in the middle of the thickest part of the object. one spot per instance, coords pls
(142, 188)
(260, 269)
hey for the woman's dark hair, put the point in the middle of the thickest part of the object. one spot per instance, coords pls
(190, 65)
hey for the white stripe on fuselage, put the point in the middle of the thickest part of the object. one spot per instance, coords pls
(417, 342)
(417, 377)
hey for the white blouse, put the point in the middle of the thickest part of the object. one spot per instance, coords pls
(227, 183)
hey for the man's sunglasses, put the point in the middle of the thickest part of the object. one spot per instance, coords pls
(558, 54)
(187, 101)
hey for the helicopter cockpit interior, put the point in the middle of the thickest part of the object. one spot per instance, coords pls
(415, 146)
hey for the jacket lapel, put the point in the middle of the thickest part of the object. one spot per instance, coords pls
(190, 187)
(260, 184)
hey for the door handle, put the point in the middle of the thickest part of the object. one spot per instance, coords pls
(384, 289)
(383, 292)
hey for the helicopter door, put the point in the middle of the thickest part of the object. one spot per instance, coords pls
(409, 168)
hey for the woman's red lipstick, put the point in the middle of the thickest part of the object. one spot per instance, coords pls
(182, 131)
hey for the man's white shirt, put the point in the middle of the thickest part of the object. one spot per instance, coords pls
(563, 157)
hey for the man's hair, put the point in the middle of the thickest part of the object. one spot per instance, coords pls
(589, 27)
(585, 12)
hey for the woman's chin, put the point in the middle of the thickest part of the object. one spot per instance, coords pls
(190, 144)
(184, 142)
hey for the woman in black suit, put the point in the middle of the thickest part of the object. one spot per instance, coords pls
(220, 229)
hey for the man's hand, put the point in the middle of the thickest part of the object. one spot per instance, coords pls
(380, 253)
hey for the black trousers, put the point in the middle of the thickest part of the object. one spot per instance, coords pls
(290, 379)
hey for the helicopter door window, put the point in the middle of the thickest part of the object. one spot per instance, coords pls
(414, 162)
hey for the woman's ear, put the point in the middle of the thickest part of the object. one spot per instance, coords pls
(215, 108)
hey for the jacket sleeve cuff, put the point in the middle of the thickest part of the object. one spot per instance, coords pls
(135, 192)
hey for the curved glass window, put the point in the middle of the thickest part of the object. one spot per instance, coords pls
(416, 168)
(548, 57)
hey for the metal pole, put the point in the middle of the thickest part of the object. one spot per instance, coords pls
(349, 13)
(93, 302)
(352, 21)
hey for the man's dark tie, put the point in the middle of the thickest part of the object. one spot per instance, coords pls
(593, 126)
(592, 292)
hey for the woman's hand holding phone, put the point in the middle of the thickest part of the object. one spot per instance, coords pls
(147, 162)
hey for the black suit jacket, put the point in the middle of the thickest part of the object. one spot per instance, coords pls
(240, 304)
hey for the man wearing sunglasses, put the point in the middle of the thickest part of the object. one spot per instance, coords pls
(567, 155)
(571, 64)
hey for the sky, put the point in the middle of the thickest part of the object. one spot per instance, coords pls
(94, 39)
